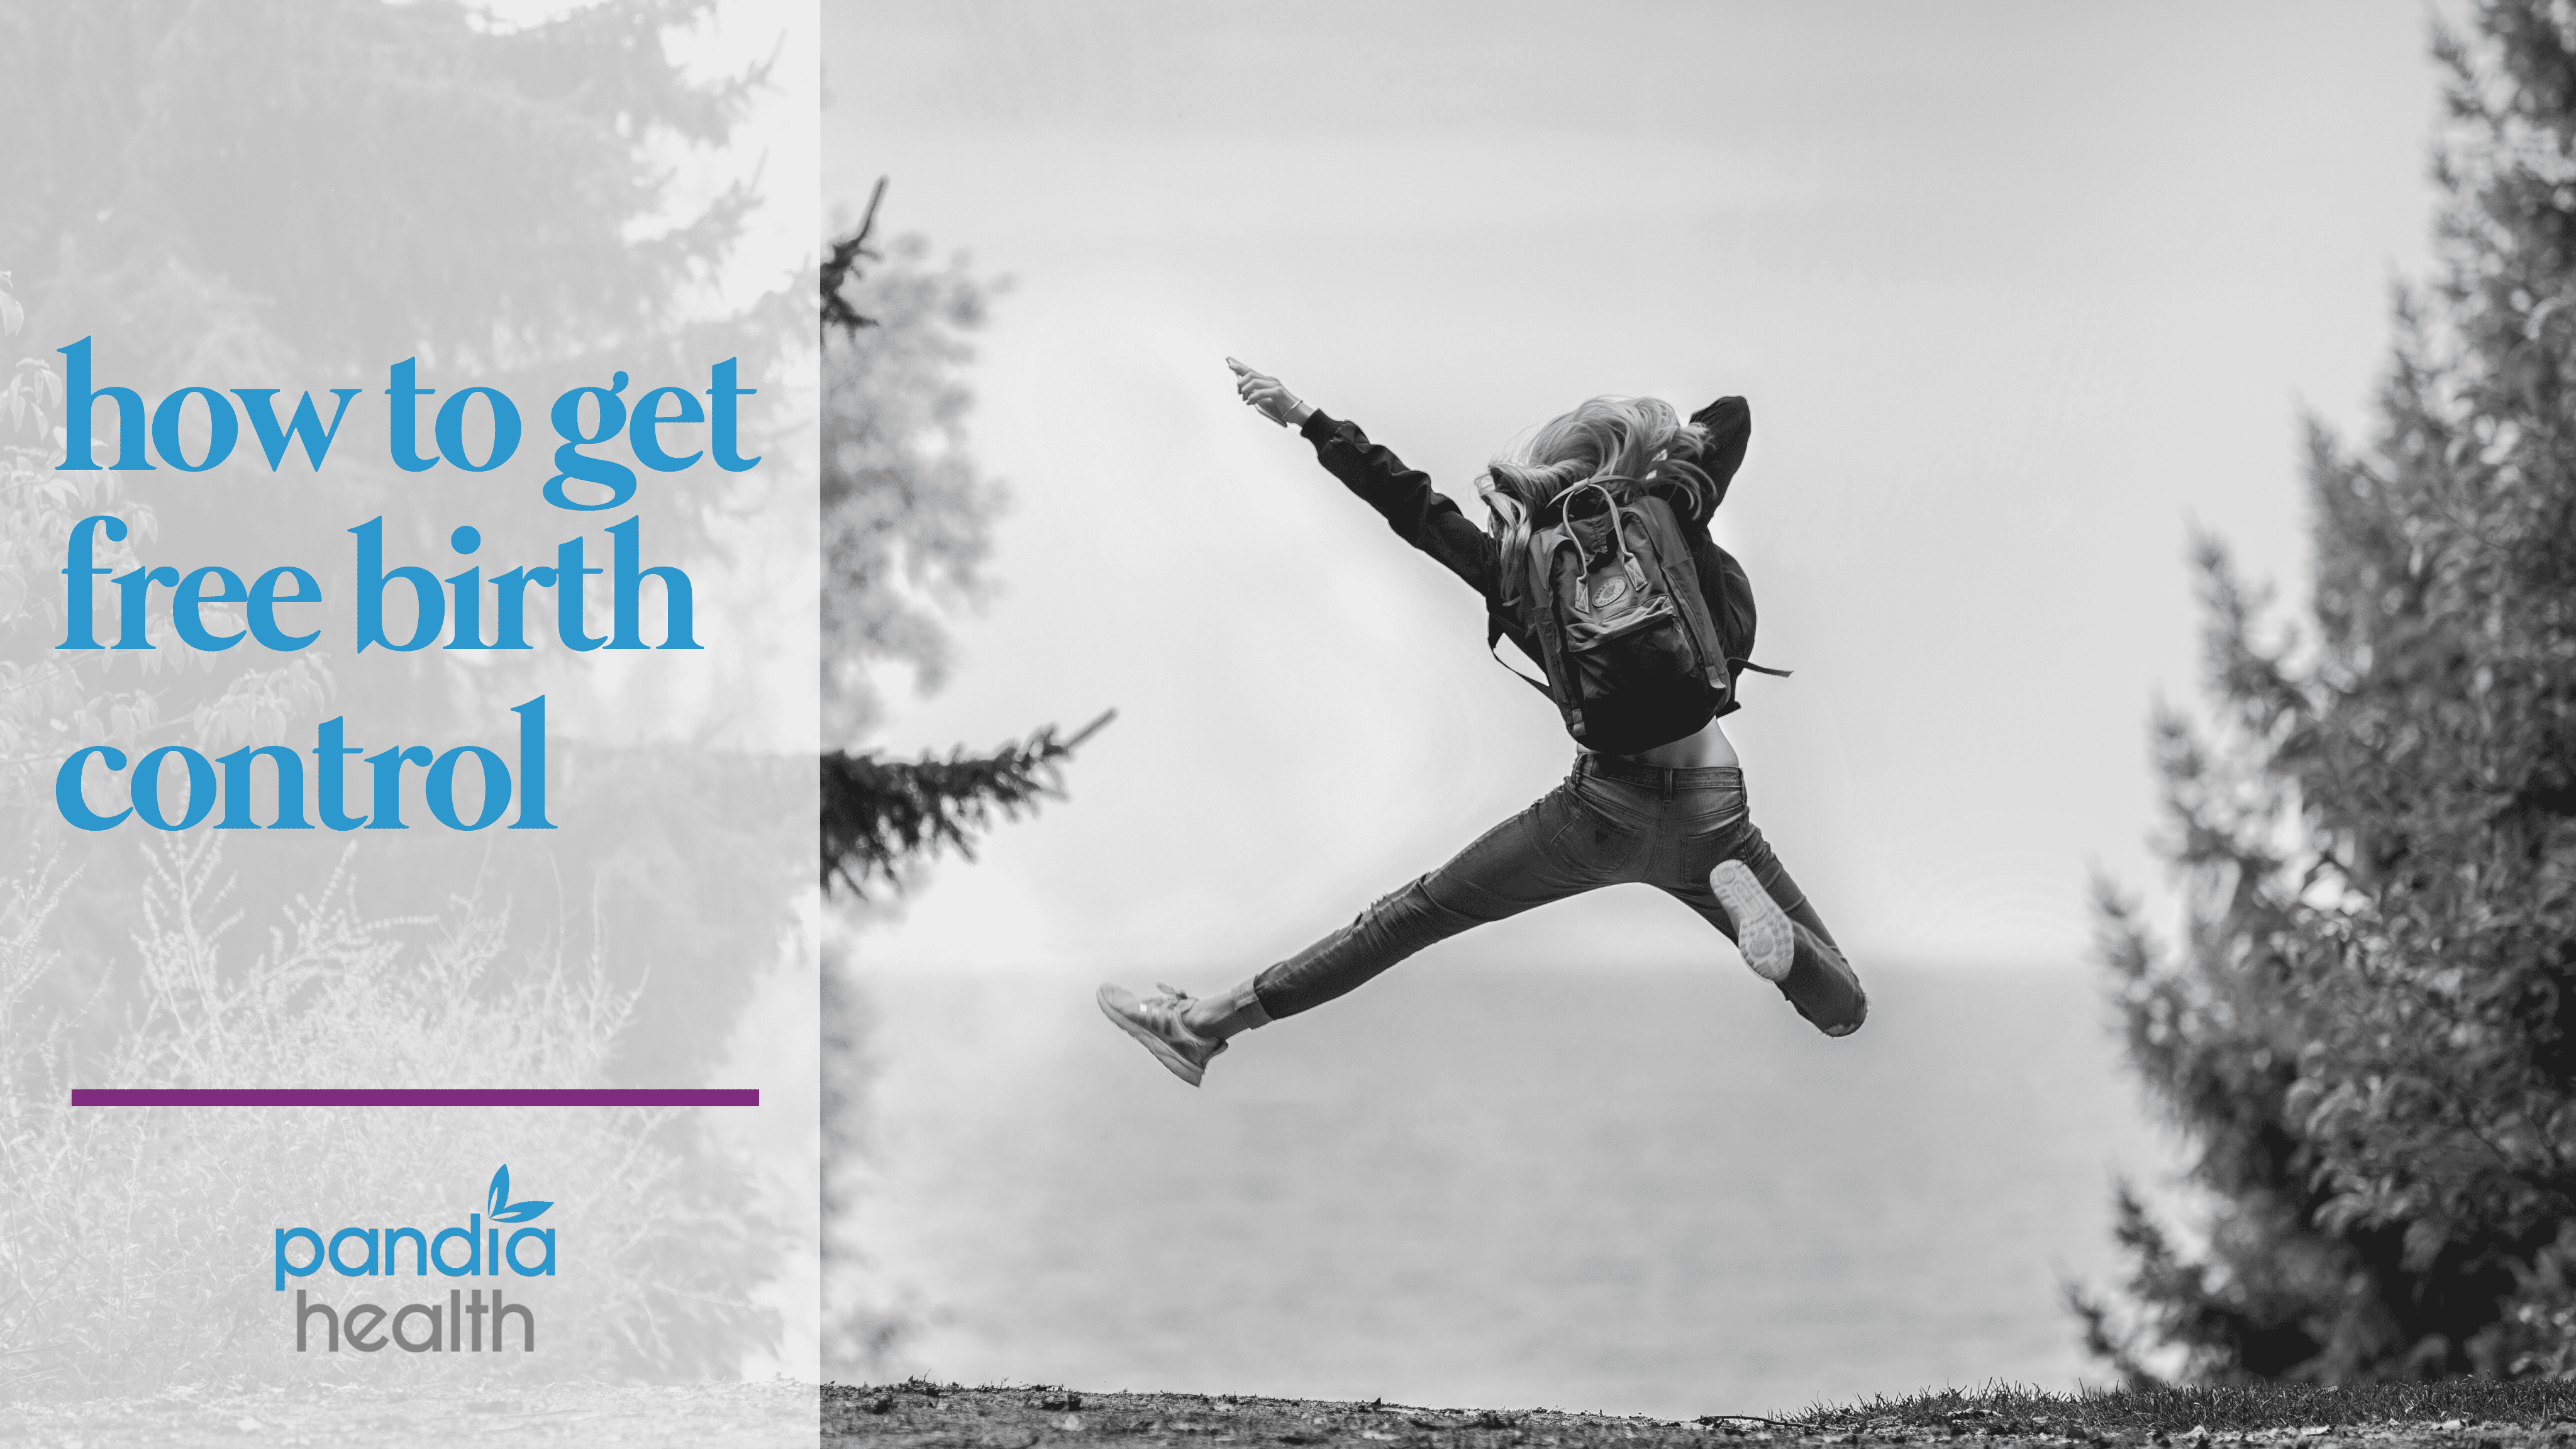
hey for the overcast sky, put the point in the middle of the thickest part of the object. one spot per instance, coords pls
(2017, 292)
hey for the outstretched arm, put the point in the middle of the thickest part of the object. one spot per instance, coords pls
(1266, 394)
(1420, 514)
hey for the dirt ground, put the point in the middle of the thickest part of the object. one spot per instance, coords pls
(915, 1415)
(900, 1416)
(927, 1415)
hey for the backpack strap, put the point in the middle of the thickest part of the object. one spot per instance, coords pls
(1681, 585)
(1743, 664)
(1507, 580)
(1494, 646)
(1517, 586)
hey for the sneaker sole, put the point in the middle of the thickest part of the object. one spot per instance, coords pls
(1180, 1066)
(1763, 931)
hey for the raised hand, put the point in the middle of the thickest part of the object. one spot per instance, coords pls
(1269, 396)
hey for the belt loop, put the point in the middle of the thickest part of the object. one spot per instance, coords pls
(1667, 783)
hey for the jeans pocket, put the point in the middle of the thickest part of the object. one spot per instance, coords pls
(1583, 835)
(1707, 843)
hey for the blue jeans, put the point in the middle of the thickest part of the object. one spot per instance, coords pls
(1612, 821)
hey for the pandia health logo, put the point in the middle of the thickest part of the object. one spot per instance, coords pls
(474, 1250)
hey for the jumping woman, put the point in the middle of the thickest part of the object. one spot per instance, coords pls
(1600, 567)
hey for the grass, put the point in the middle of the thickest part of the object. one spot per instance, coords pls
(2147, 1413)
(2455, 1414)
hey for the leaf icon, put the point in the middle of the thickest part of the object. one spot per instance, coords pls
(502, 1210)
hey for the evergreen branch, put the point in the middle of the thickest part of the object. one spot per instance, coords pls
(879, 815)
(842, 265)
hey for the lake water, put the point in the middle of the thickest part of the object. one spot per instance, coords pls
(1646, 1190)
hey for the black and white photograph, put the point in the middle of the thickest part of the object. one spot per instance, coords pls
(2028, 855)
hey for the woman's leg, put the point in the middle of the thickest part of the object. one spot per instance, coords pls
(1558, 847)
(1819, 982)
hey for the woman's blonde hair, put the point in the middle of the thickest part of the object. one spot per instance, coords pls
(1638, 440)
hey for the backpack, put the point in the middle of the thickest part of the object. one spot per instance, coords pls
(1609, 591)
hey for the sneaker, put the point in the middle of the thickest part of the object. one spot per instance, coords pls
(1823, 986)
(1156, 1021)
(1763, 931)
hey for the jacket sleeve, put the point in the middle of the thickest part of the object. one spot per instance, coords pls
(1729, 422)
(1419, 514)
(1730, 427)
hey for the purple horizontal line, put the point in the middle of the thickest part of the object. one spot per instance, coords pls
(416, 1097)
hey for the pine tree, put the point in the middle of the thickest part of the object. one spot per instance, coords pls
(2367, 1028)
(897, 511)
(905, 526)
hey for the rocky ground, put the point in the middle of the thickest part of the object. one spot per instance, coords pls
(2458, 1415)
(1020, 1418)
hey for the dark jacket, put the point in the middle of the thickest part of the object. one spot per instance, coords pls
(1430, 521)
